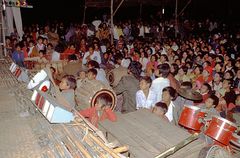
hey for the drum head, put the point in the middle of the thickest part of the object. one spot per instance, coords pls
(109, 95)
(214, 151)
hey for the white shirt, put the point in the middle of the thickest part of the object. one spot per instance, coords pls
(125, 62)
(30, 50)
(155, 93)
(169, 113)
(101, 76)
(142, 101)
(144, 62)
(115, 33)
(96, 23)
(95, 56)
(175, 47)
(55, 56)
(141, 31)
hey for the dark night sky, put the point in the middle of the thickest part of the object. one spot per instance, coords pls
(72, 10)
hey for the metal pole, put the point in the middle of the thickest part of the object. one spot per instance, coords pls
(84, 13)
(184, 7)
(3, 29)
(140, 11)
(176, 18)
(118, 7)
(111, 21)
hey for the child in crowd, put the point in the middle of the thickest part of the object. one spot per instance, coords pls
(210, 104)
(18, 56)
(101, 111)
(82, 75)
(92, 74)
(142, 95)
(67, 86)
(160, 109)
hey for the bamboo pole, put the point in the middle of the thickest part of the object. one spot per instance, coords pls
(178, 146)
(117, 7)
(97, 131)
(84, 12)
(184, 7)
(176, 18)
(112, 22)
(80, 146)
(111, 152)
(121, 149)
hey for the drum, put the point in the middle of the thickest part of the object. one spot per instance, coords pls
(38, 78)
(191, 117)
(17, 72)
(72, 68)
(235, 141)
(115, 75)
(221, 130)
(13, 67)
(89, 91)
(214, 151)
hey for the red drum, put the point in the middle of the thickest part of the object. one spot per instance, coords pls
(221, 130)
(191, 117)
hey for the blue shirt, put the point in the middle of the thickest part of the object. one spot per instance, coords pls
(18, 58)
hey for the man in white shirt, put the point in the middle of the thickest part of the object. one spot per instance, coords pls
(91, 55)
(96, 23)
(55, 56)
(155, 94)
(174, 46)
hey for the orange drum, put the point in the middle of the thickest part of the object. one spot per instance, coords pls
(221, 130)
(191, 118)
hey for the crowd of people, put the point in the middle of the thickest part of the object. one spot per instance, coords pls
(200, 57)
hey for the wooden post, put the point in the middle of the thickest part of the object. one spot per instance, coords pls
(176, 18)
(112, 22)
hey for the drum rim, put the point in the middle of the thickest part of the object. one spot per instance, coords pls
(225, 120)
(108, 91)
(192, 107)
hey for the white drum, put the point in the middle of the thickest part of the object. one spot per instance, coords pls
(38, 78)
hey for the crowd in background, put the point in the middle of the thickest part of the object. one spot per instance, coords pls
(201, 55)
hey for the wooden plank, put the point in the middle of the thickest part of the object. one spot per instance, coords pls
(148, 135)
